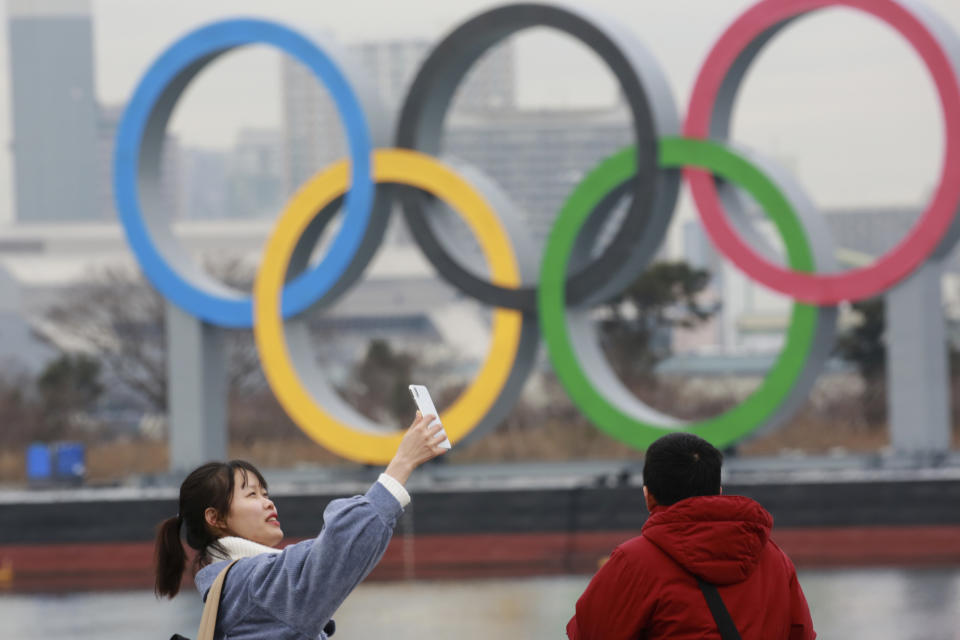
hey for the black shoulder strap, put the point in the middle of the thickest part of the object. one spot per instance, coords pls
(728, 630)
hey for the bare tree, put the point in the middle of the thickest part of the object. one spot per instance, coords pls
(116, 317)
(19, 413)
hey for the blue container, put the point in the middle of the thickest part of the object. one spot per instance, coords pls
(70, 461)
(38, 462)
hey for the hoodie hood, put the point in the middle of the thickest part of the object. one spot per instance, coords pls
(717, 538)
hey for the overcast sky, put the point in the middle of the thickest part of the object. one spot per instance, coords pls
(840, 97)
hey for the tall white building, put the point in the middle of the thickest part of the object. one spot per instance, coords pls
(204, 186)
(537, 157)
(171, 167)
(54, 110)
(254, 177)
(312, 131)
(753, 318)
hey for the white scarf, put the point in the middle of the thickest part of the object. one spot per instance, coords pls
(237, 548)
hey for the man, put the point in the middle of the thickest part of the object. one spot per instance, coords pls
(649, 587)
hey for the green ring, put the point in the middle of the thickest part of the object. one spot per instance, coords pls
(675, 152)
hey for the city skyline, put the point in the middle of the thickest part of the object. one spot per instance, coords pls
(844, 151)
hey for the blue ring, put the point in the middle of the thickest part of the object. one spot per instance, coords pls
(162, 82)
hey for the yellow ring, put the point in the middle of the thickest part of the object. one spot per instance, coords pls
(399, 166)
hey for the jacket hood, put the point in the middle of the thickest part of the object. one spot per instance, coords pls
(716, 538)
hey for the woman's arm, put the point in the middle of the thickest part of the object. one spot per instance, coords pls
(305, 584)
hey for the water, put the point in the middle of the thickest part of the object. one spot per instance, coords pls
(878, 604)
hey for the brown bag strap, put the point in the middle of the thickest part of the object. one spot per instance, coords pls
(209, 620)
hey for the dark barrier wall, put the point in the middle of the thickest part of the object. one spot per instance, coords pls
(585, 509)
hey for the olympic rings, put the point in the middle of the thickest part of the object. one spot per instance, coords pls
(711, 103)
(512, 346)
(570, 280)
(568, 334)
(137, 158)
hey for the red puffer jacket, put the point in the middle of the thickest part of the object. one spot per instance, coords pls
(647, 588)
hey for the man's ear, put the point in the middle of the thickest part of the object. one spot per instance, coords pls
(651, 501)
(721, 491)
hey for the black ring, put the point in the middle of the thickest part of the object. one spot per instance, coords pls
(654, 191)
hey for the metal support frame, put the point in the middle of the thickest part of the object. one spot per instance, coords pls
(917, 368)
(197, 390)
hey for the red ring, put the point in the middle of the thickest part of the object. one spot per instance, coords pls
(925, 235)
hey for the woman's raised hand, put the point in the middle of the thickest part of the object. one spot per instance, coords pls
(420, 443)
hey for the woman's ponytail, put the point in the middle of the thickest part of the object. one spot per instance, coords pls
(171, 559)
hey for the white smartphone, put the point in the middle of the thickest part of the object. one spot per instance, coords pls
(425, 404)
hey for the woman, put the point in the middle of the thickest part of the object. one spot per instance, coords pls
(227, 515)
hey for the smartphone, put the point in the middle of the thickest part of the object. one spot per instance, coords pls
(425, 404)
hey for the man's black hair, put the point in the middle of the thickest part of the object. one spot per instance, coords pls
(680, 466)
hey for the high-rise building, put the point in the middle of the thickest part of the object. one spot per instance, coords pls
(107, 121)
(255, 174)
(698, 251)
(171, 170)
(537, 157)
(753, 317)
(245, 181)
(54, 110)
(313, 134)
(204, 184)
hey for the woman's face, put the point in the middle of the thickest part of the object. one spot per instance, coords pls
(252, 513)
